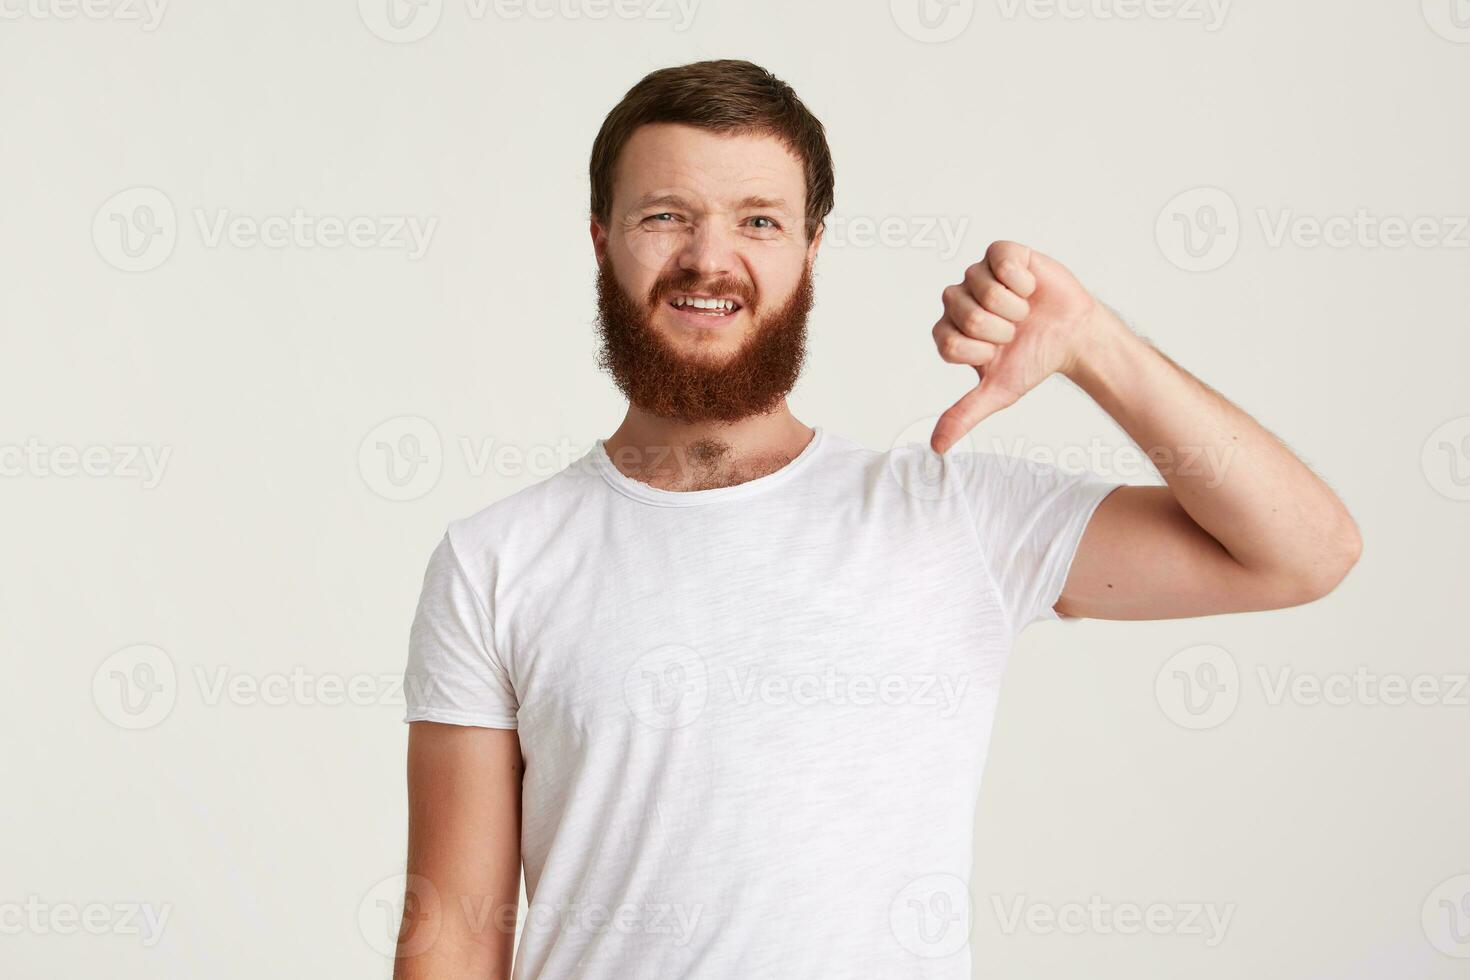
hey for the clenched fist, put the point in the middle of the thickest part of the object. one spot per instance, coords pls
(1017, 318)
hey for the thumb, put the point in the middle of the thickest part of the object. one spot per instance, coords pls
(977, 404)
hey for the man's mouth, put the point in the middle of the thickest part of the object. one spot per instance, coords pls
(713, 307)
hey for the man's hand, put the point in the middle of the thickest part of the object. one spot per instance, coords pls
(1243, 524)
(1017, 318)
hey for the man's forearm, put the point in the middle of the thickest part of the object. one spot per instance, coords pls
(464, 864)
(1236, 480)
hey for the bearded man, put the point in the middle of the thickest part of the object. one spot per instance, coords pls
(724, 687)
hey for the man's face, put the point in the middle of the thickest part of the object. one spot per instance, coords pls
(704, 278)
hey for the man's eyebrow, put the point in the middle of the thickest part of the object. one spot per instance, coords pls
(677, 201)
(756, 201)
(671, 200)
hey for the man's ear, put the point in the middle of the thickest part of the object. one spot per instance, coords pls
(599, 240)
(816, 242)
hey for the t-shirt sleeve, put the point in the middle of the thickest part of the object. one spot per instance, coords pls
(1029, 517)
(454, 674)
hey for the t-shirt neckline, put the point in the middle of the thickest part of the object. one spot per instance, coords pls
(639, 490)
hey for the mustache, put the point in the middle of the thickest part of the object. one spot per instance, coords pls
(687, 281)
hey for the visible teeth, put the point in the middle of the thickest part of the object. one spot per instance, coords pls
(698, 303)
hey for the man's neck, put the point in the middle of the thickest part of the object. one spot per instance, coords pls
(673, 455)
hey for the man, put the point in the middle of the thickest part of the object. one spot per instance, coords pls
(725, 685)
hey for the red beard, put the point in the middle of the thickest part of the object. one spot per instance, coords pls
(654, 376)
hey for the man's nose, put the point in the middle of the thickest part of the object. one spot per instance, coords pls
(709, 251)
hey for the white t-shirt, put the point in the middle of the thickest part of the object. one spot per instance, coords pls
(754, 718)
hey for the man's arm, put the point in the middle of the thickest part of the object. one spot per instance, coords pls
(1242, 524)
(464, 829)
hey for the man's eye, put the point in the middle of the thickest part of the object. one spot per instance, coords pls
(769, 223)
(662, 217)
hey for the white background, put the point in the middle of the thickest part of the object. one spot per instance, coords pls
(267, 547)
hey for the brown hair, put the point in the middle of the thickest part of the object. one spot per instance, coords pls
(728, 97)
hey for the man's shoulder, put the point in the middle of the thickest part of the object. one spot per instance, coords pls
(533, 511)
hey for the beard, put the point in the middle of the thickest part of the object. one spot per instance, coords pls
(658, 378)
